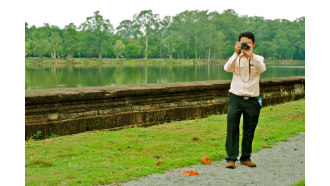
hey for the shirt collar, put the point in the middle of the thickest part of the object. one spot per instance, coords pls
(242, 56)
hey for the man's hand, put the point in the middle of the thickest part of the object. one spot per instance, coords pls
(238, 47)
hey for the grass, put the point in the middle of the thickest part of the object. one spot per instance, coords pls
(87, 62)
(114, 61)
(103, 157)
(301, 183)
(93, 61)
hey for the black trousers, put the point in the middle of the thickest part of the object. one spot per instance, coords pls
(250, 108)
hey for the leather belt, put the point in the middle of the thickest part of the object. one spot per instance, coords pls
(244, 97)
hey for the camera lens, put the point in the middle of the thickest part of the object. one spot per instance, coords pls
(245, 46)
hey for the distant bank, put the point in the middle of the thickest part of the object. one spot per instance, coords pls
(88, 61)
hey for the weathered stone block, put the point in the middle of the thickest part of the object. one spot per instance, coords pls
(72, 110)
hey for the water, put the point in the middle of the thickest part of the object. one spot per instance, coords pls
(62, 76)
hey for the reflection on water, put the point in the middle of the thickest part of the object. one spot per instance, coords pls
(59, 76)
(286, 66)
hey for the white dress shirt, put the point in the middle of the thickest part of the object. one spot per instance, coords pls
(245, 80)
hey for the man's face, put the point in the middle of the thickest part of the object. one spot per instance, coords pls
(249, 42)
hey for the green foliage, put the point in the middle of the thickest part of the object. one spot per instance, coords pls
(41, 48)
(147, 23)
(127, 29)
(28, 50)
(36, 136)
(54, 41)
(70, 40)
(133, 50)
(301, 183)
(189, 34)
(97, 33)
(39, 163)
(119, 48)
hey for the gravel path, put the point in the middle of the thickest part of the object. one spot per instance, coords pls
(283, 164)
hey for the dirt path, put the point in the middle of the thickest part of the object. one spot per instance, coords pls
(283, 164)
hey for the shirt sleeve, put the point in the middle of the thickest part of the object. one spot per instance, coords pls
(230, 65)
(259, 64)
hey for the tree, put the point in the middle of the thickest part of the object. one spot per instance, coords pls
(133, 50)
(189, 34)
(181, 27)
(97, 32)
(54, 41)
(231, 26)
(146, 22)
(209, 39)
(127, 28)
(70, 40)
(300, 43)
(119, 48)
(281, 45)
(197, 26)
(28, 50)
(41, 48)
(220, 39)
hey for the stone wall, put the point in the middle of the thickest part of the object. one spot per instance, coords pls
(73, 110)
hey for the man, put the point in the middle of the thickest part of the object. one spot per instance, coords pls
(243, 99)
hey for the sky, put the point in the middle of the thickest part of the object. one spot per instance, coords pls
(63, 12)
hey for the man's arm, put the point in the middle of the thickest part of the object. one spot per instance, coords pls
(258, 62)
(230, 65)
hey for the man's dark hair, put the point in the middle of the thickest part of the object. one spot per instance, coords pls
(247, 35)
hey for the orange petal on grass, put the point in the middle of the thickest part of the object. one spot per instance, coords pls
(206, 160)
(159, 163)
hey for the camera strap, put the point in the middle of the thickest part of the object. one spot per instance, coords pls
(239, 69)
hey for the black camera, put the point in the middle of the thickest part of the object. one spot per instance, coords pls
(245, 46)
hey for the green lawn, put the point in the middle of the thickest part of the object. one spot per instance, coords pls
(139, 61)
(102, 157)
(301, 183)
(111, 61)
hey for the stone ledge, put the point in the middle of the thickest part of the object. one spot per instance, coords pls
(73, 110)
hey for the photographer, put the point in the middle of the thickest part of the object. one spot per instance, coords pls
(243, 99)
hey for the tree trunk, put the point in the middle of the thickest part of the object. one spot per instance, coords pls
(196, 56)
(146, 46)
(54, 54)
(100, 54)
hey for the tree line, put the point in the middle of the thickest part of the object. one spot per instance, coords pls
(187, 35)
